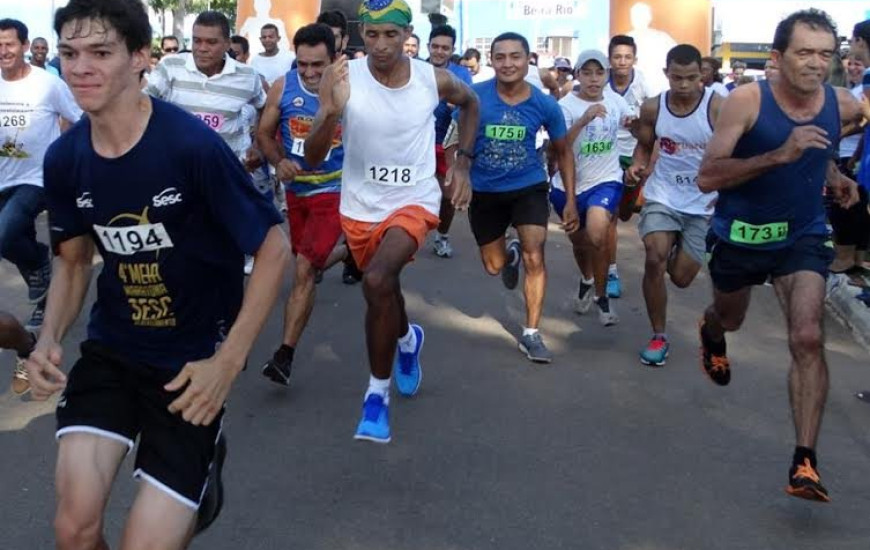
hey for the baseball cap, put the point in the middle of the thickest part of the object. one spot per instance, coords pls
(591, 55)
(562, 63)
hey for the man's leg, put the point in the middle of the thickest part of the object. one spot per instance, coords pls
(614, 285)
(87, 465)
(532, 241)
(597, 226)
(447, 212)
(157, 520)
(658, 246)
(725, 314)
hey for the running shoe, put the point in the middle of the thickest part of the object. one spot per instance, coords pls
(510, 273)
(614, 287)
(375, 423)
(351, 274)
(585, 297)
(20, 382)
(213, 498)
(533, 346)
(442, 247)
(713, 358)
(318, 276)
(277, 369)
(37, 281)
(249, 265)
(407, 367)
(804, 482)
(656, 352)
(606, 315)
(36, 317)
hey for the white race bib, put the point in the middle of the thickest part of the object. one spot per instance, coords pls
(686, 180)
(132, 239)
(298, 149)
(14, 120)
(395, 176)
(212, 120)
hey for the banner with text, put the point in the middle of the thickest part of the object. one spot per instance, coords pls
(545, 9)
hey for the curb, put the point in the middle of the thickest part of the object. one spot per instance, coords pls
(851, 312)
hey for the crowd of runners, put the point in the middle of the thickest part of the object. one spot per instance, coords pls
(175, 167)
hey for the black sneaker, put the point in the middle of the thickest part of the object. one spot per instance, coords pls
(37, 317)
(713, 358)
(37, 282)
(351, 274)
(277, 369)
(510, 273)
(804, 482)
(318, 276)
(213, 499)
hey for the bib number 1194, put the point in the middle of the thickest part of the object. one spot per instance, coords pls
(399, 176)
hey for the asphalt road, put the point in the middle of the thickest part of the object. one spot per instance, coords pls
(594, 451)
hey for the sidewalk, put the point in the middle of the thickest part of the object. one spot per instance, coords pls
(843, 302)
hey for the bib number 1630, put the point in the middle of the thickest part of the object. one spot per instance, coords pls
(391, 175)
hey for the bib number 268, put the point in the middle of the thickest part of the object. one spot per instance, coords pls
(399, 176)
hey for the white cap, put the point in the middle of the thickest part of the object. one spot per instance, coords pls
(591, 55)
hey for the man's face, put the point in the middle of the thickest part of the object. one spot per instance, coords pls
(39, 51)
(622, 60)
(96, 64)
(770, 69)
(708, 73)
(169, 46)
(311, 62)
(472, 64)
(239, 53)
(11, 49)
(592, 77)
(384, 43)
(738, 72)
(440, 50)
(209, 48)
(152, 63)
(340, 41)
(269, 39)
(510, 61)
(684, 80)
(412, 47)
(855, 69)
(860, 49)
(805, 61)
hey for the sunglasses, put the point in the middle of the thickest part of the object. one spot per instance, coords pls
(170, 50)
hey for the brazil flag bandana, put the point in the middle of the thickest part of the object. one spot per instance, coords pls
(376, 12)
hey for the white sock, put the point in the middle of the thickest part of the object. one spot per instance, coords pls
(612, 270)
(408, 342)
(380, 387)
(529, 331)
(590, 281)
(441, 236)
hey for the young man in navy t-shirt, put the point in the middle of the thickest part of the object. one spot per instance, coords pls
(172, 212)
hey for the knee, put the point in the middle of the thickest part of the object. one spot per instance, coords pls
(682, 280)
(732, 322)
(655, 264)
(806, 340)
(378, 284)
(492, 265)
(75, 531)
(533, 261)
(598, 240)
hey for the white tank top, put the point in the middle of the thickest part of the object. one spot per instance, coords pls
(389, 144)
(682, 142)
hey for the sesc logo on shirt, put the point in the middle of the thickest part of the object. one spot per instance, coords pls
(85, 201)
(167, 197)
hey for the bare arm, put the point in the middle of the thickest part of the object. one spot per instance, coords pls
(646, 139)
(334, 94)
(549, 82)
(268, 126)
(852, 116)
(458, 93)
(562, 148)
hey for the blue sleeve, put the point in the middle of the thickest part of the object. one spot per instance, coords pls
(65, 220)
(865, 82)
(554, 119)
(243, 211)
(464, 74)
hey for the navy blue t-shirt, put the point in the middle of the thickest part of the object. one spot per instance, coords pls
(172, 219)
(444, 112)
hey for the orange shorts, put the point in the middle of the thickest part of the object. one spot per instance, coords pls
(364, 238)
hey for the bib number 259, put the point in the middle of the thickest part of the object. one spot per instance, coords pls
(398, 176)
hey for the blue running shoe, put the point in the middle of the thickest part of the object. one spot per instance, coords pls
(407, 368)
(375, 423)
(656, 352)
(614, 288)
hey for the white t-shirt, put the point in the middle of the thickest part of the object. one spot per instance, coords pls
(637, 92)
(720, 89)
(595, 149)
(848, 145)
(483, 73)
(274, 67)
(29, 111)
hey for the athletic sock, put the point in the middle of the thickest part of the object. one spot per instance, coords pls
(285, 353)
(801, 453)
(408, 342)
(612, 270)
(661, 336)
(379, 387)
(529, 331)
(441, 236)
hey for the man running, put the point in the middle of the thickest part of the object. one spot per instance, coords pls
(313, 195)
(769, 158)
(510, 183)
(272, 63)
(442, 44)
(593, 119)
(676, 214)
(172, 213)
(390, 197)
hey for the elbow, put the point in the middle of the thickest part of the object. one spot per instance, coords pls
(707, 181)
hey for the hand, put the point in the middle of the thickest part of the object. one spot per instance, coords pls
(335, 87)
(635, 175)
(845, 192)
(459, 180)
(570, 217)
(851, 163)
(597, 110)
(43, 371)
(865, 107)
(801, 139)
(253, 160)
(287, 169)
(208, 384)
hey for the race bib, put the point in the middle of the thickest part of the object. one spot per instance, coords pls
(505, 133)
(686, 180)
(14, 120)
(298, 149)
(595, 147)
(396, 176)
(747, 233)
(212, 120)
(132, 239)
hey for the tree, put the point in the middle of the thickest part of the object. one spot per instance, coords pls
(181, 8)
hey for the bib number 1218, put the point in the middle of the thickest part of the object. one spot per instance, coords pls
(391, 175)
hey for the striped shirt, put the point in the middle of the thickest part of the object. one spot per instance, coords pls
(217, 100)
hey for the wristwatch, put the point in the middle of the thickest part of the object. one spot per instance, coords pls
(468, 154)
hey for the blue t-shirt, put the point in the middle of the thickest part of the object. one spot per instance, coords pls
(172, 219)
(298, 108)
(444, 112)
(505, 147)
(864, 167)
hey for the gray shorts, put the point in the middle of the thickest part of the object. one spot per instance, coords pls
(692, 228)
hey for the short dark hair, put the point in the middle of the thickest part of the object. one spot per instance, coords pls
(20, 28)
(313, 35)
(683, 54)
(716, 64)
(334, 19)
(813, 18)
(168, 37)
(738, 65)
(127, 17)
(472, 53)
(241, 41)
(39, 39)
(415, 37)
(273, 27)
(505, 36)
(443, 30)
(621, 40)
(862, 30)
(214, 18)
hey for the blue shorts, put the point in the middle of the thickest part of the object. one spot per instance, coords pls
(604, 195)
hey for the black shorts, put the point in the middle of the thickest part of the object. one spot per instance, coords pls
(491, 214)
(109, 396)
(735, 267)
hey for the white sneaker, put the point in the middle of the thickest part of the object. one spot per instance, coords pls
(606, 315)
(442, 247)
(249, 265)
(585, 298)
